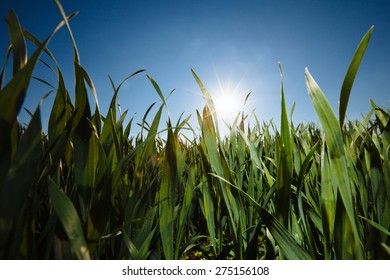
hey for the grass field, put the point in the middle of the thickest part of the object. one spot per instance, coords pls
(94, 187)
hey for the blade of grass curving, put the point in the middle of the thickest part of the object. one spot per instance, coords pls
(351, 74)
(91, 86)
(65, 19)
(376, 225)
(7, 54)
(19, 49)
(209, 102)
(159, 92)
(29, 36)
(69, 218)
(338, 165)
(11, 100)
(117, 89)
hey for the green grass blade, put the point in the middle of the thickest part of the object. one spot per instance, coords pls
(207, 202)
(376, 225)
(62, 113)
(65, 19)
(167, 195)
(82, 107)
(22, 175)
(19, 50)
(69, 218)
(386, 248)
(328, 202)
(2, 73)
(285, 166)
(288, 246)
(351, 74)
(159, 92)
(185, 208)
(335, 149)
(306, 163)
(11, 100)
(209, 101)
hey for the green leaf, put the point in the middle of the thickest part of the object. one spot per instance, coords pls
(209, 102)
(19, 50)
(351, 74)
(69, 218)
(285, 166)
(11, 101)
(168, 189)
(22, 176)
(61, 112)
(376, 225)
(328, 202)
(337, 160)
(65, 20)
(288, 246)
(185, 208)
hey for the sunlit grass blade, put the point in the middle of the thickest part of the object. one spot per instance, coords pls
(338, 165)
(351, 74)
(209, 101)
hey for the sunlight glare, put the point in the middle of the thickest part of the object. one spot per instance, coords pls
(227, 105)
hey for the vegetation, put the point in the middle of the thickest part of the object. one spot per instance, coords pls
(87, 189)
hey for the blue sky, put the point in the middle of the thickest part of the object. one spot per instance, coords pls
(232, 45)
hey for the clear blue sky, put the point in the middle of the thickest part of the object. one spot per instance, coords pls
(230, 44)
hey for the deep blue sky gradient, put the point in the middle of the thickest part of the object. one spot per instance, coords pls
(236, 44)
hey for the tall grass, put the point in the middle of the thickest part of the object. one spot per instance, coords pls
(87, 188)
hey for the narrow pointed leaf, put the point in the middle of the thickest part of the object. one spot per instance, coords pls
(70, 220)
(351, 74)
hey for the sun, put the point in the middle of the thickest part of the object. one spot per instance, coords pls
(228, 105)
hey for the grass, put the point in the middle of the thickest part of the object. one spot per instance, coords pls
(87, 189)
